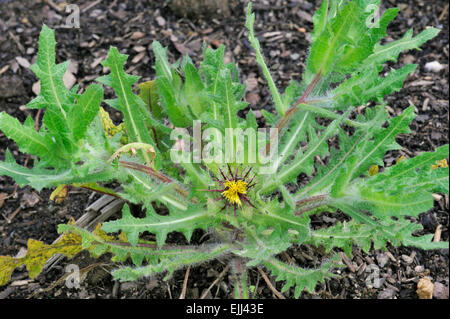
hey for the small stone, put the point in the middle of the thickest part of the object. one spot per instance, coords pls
(251, 84)
(382, 260)
(407, 259)
(425, 288)
(95, 13)
(137, 35)
(419, 269)
(387, 293)
(258, 113)
(295, 56)
(23, 62)
(434, 66)
(274, 53)
(69, 80)
(253, 98)
(161, 21)
(440, 291)
(11, 86)
(29, 200)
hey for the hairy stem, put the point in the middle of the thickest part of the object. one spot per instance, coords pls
(240, 280)
(152, 172)
(293, 109)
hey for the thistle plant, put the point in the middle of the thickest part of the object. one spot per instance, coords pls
(244, 194)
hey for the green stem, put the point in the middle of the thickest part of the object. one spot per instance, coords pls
(260, 59)
(240, 280)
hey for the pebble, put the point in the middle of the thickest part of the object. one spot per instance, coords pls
(419, 269)
(382, 260)
(434, 66)
(440, 291)
(23, 62)
(387, 293)
(161, 21)
(407, 259)
(295, 56)
(257, 113)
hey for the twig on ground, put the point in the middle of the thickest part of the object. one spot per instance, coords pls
(443, 13)
(54, 5)
(186, 277)
(14, 214)
(437, 233)
(269, 284)
(256, 287)
(203, 296)
(168, 289)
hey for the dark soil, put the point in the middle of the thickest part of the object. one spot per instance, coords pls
(283, 28)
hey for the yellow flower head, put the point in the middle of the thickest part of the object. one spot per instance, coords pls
(233, 189)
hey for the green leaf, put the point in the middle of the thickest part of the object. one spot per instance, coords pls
(179, 260)
(324, 51)
(304, 162)
(133, 108)
(81, 115)
(300, 278)
(397, 233)
(194, 90)
(368, 86)
(249, 24)
(185, 222)
(320, 19)
(148, 94)
(391, 51)
(413, 174)
(22, 175)
(26, 137)
(162, 65)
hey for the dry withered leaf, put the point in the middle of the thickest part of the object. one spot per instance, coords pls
(29, 199)
(425, 288)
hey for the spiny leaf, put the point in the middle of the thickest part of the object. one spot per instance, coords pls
(368, 86)
(81, 115)
(131, 105)
(99, 242)
(181, 259)
(53, 94)
(299, 277)
(23, 175)
(348, 146)
(194, 88)
(185, 222)
(398, 233)
(391, 51)
(28, 140)
(416, 172)
(324, 50)
(304, 162)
